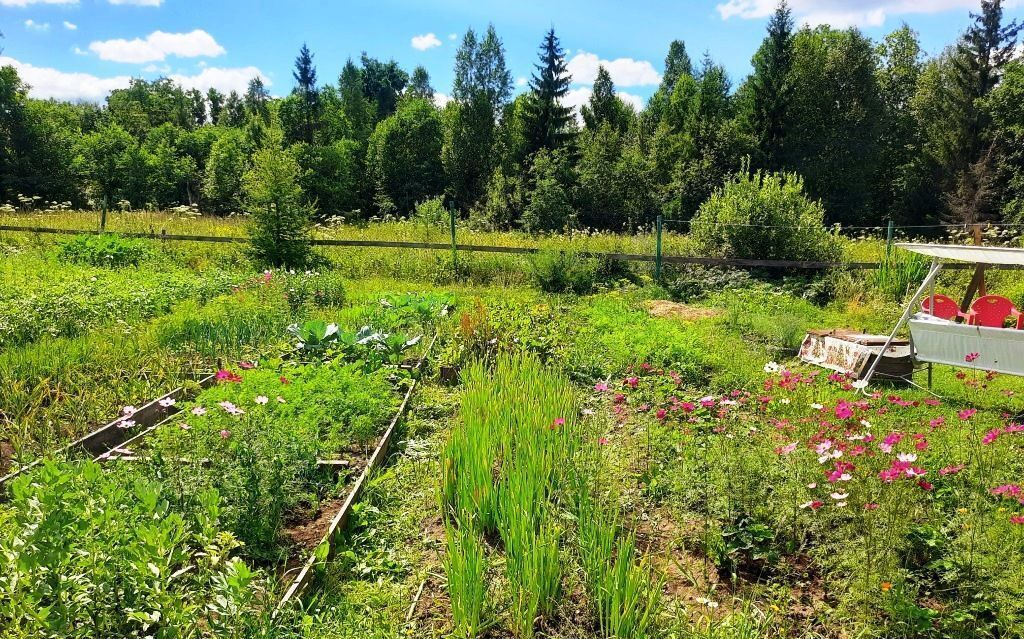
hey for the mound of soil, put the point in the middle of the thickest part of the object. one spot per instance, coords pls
(675, 310)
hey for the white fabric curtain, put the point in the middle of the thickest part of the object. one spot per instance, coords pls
(943, 342)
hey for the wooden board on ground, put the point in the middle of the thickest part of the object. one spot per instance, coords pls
(853, 352)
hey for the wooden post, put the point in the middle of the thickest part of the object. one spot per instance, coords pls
(103, 215)
(977, 284)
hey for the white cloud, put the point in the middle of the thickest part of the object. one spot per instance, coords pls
(32, 25)
(70, 26)
(157, 46)
(47, 82)
(521, 81)
(625, 72)
(452, 36)
(441, 100)
(138, 3)
(51, 83)
(225, 80)
(844, 13)
(25, 3)
(579, 96)
(425, 41)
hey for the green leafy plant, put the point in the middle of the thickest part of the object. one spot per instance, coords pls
(106, 249)
(558, 271)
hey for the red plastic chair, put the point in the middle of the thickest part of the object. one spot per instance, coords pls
(992, 311)
(945, 307)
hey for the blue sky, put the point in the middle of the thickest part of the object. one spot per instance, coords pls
(80, 49)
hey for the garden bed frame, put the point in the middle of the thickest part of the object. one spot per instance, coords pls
(303, 579)
(111, 436)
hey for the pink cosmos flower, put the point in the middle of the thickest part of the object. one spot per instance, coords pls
(661, 414)
(198, 410)
(284, 380)
(843, 410)
(603, 441)
(971, 357)
(559, 421)
(991, 436)
(246, 365)
(966, 414)
(951, 470)
(601, 387)
(1017, 519)
(787, 449)
(128, 411)
(167, 402)
(924, 485)
(224, 434)
(871, 506)
(632, 381)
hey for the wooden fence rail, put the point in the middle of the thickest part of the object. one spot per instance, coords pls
(516, 250)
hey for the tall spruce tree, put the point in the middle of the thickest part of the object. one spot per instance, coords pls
(305, 89)
(548, 121)
(770, 86)
(983, 52)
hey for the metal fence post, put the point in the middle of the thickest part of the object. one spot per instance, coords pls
(888, 240)
(455, 252)
(103, 215)
(657, 250)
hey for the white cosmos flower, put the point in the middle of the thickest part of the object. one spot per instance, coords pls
(860, 384)
(840, 496)
(817, 406)
(907, 457)
(771, 367)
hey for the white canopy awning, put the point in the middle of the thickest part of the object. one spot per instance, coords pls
(974, 254)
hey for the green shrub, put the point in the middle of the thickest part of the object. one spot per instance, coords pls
(764, 216)
(563, 272)
(108, 249)
(431, 212)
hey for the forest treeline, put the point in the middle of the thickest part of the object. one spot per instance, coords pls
(877, 130)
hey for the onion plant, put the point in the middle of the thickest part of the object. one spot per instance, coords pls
(465, 565)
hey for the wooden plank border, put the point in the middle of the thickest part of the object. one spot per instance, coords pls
(302, 580)
(111, 435)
